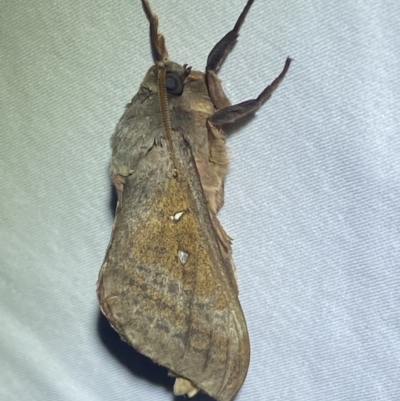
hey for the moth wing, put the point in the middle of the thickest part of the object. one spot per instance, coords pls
(165, 287)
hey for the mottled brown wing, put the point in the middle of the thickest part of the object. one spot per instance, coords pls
(165, 288)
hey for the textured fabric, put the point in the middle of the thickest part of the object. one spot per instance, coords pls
(312, 199)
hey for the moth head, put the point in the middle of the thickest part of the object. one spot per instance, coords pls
(173, 82)
(175, 74)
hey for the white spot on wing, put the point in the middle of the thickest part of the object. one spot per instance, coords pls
(177, 216)
(183, 256)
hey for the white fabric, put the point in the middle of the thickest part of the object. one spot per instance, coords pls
(312, 199)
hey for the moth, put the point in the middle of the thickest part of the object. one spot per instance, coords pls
(167, 284)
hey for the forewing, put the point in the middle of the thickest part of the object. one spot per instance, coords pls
(165, 288)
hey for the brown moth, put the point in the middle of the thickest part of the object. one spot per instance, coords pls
(167, 284)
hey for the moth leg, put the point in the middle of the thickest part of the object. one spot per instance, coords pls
(119, 172)
(119, 182)
(184, 386)
(233, 113)
(217, 57)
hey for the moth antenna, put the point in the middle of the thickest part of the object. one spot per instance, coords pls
(157, 40)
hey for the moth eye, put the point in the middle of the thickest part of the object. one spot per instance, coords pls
(174, 83)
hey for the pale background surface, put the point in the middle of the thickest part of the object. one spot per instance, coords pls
(312, 200)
